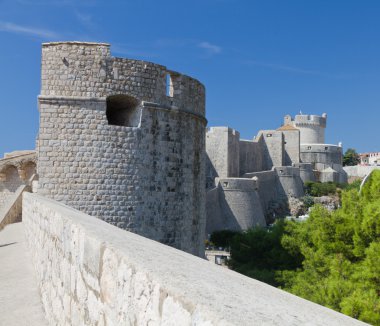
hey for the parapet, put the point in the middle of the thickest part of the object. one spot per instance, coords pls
(89, 271)
(238, 184)
(321, 148)
(222, 129)
(287, 171)
(87, 70)
(307, 119)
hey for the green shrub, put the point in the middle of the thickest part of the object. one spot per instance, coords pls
(223, 238)
(318, 189)
(308, 201)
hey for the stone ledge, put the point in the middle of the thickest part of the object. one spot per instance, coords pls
(51, 98)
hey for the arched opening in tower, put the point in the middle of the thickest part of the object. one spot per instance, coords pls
(29, 169)
(123, 110)
(12, 179)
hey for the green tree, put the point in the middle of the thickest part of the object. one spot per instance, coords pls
(222, 238)
(351, 157)
(258, 253)
(341, 254)
(317, 189)
(332, 258)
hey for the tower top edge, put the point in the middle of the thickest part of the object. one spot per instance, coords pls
(76, 43)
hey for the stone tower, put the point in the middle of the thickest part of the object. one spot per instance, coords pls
(311, 127)
(123, 140)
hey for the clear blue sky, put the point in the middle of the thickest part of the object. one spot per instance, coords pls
(259, 60)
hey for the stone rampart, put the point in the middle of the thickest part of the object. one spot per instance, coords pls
(222, 145)
(290, 182)
(234, 204)
(273, 152)
(359, 171)
(92, 273)
(250, 156)
(215, 217)
(306, 171)
(240, 205)
(267, 187)
(321, 153)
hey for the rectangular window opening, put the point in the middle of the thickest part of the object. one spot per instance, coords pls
(169, 86)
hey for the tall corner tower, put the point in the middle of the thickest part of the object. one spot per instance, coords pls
(123, 140)
(311, 127)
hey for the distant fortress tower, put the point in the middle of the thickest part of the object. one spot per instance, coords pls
(326, 159)
(123, 140)
(311, 127)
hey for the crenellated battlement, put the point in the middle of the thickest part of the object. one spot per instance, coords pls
(81, 69)
(312, 127)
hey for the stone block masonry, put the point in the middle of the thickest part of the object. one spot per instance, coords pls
(123, 140)
(92, 273)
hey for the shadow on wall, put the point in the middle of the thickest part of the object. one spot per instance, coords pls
(211, 173)
(219, 213)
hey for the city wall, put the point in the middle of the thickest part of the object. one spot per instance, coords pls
(92, 273)
(234, 204)
(250, 157)
(267, 187)
(359, 171)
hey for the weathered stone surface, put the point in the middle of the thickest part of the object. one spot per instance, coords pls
(123, 140)
(143, 282)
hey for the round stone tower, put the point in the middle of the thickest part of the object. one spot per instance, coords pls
(311, 127)
(123, 140)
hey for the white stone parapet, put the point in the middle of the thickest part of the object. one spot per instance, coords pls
(92, 273)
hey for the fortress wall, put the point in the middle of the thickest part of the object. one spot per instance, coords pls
(222, 148)
(359, 170)
(273, 148)
(233, 153)
(290, 182)
(292, 147)
(329, 175)
(306, 172)
(250, 154)
(321, 153)
(240, 204)
(215, 217)
(130, 159)
(147, 179)
(217, 152)
(91, 273)
(267, 187)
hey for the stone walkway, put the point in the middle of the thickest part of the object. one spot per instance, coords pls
(20, 302)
